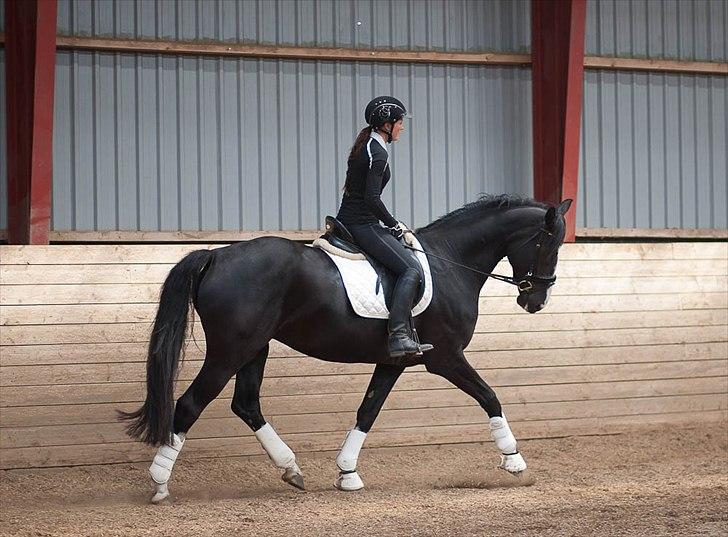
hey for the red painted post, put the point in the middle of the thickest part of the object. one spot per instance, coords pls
(557, 45)
(30, 61)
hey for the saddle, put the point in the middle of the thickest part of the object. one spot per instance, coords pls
(359, 271)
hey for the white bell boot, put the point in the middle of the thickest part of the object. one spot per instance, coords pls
(348, 479)
(511, 460)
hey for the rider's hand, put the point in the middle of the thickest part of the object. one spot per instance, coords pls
(402, 231)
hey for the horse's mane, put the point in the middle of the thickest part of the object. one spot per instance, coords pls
(487, 202)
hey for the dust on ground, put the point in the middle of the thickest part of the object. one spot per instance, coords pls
(651, 481)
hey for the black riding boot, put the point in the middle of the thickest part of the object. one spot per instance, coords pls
(400, 339)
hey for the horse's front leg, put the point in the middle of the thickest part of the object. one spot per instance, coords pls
(458, 371)
(381, 384)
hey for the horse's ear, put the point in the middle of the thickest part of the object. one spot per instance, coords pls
(550, 219)
(564, 206)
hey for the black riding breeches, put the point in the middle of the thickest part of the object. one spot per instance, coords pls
(379, 243)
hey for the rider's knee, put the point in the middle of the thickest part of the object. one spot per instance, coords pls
(412, 272)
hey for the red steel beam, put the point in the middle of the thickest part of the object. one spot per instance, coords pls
(30, 61)
(557, 48)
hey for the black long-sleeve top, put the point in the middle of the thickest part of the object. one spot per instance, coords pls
(366, 177)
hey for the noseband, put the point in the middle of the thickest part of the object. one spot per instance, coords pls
(525, 285)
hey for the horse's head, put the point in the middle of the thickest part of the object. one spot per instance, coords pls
(533, 257)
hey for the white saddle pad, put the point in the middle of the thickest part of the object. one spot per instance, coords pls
(360, 281)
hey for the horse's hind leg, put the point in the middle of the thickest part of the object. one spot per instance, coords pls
(246, 405)
(209, 382)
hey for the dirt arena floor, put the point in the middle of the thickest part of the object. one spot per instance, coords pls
(654, 481)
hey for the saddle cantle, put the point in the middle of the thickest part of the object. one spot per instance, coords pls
(339, 238)
(369, 284)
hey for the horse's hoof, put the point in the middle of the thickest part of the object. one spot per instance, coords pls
(513, 464)
(293, 478)
(161, 494)
(349, 482)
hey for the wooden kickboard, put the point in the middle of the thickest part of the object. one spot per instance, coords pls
(634, 333)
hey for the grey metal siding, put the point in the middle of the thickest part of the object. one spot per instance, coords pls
(653, 151)
(456, 25)
(194, 143)
(673, 29)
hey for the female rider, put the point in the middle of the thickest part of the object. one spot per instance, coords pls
(362, 210)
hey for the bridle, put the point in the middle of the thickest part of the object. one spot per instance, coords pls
(525, 284)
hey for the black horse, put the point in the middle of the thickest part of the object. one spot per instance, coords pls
(272, 288)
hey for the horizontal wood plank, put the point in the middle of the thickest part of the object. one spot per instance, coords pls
(156, 273)
(588, 285)
(85, 254)
(302, 366)
(128, 352)
(505, 323)
(145, 312)
(59, 394)
(12, 437)
(302, 443)
(38, 416)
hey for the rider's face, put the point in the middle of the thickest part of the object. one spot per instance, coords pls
(397, 128)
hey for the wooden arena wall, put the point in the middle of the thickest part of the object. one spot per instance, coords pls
(634, 333)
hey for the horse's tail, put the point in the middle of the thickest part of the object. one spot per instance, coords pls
(153, 422)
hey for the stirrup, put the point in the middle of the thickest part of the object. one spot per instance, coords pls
(419, 351)
(423, 347)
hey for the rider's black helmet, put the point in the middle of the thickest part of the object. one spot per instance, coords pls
(383, 109)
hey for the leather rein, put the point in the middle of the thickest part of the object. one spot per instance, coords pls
(524, 285)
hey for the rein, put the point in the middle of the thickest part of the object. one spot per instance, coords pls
(507, 279)
(524, 286)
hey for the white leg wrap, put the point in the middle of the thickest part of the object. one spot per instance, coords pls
(501, 434)
(349, 453)
(161, 468)
(281, 455)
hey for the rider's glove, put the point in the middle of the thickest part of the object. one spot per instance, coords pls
(402, 231)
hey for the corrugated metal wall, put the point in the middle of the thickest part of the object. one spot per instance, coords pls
(163, 143)
(674, 29)
(147, 142)
(653, 149)
(498, 25)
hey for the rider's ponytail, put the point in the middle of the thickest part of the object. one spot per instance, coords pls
(361, 139)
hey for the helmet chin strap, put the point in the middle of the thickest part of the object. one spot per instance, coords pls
(389, 135)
